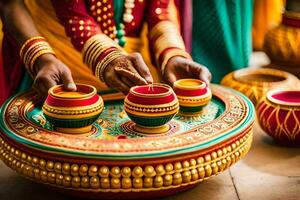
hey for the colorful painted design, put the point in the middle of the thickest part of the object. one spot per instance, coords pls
(193, 95)
(113, 158)
(279, 116)
(255, 83)
(73, 112)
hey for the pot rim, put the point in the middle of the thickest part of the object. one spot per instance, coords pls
(178, 85)
(83, 96)
(281, 102)
(164, 94)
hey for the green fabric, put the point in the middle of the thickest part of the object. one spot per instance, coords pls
(222, 35)
(26, 83)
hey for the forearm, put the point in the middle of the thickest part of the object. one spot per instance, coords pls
(17, 21)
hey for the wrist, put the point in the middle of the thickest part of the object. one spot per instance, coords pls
(47, 57)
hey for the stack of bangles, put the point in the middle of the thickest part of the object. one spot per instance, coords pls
(167, 43)
(98, 52)
(31, 50)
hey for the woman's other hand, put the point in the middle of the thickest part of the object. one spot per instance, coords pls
(127, 71)
(180, 67)
(50, 71)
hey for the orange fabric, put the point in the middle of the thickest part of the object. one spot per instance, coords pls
(267, 14)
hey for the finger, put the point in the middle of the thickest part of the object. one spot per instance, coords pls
(170, 78)
(119, 85)
(200, 72)
(67, 79)
(134, 78)
(42, 85)
(139, 64)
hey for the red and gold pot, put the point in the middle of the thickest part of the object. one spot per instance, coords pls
(151, 107)
(73, 112)
(279, 115)
(193, 95)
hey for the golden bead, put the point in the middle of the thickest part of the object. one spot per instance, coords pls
(35, 161)
(168, 178)
(177, 166)
(214, 168)
(59, 179)
(177, 178)
(115, 172)
(98, 3)
(76, 181)
(186, 176)
(233, 146)
(36, 172)
(12, 150)
(237, 154)
(193, 162)
(158, 181)
(83, 170)
(98, 19)
(148, 182)
(74, 170)
(57, 167)
(115, 183)
(220, 166)
(93, 170)
(126, 172)
(104, 172)
(81, 28)
(137, 183)
(214, 155)
(208, 170)
(51, 177)
(94, 182)
(169, 167)
(126, 183)
(66, 168)
(137, 172)
(49, 165)
(224, 151)
(200, 160)
(23, 156)
(194, 174)
(160, 170)
(43, 175)
(105, 9)
(104, 16)
(42, 164)
(81, 22)
(229, 149)
(237, 143)
(185, 164)
(105, 183)
(67, 181)
(98, 11)
(149, 171)
(85, 182)
(207, 158)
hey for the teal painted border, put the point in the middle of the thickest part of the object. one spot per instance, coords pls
(114, 156)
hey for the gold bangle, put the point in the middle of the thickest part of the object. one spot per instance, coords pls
(37, 55)
(28, 41)
(32, 48)
(161, 28)
(101, 66)
(171, 54)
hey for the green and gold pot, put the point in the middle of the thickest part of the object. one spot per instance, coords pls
(193, 95)
(151, 107)
(73, 112)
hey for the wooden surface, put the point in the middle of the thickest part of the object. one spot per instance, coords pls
(268, 172)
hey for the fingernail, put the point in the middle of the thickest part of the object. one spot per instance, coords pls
(71, 86)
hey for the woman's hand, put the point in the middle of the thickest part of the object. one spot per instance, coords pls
(180, 67)
(127, 71)
(50, 72)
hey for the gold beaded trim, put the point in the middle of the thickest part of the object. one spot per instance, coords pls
(72, 112)
(189, 100)
(151, 110)
(124, 179)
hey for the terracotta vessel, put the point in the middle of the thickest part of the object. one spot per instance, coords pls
(151, 107)
(282, 45)
(255, 83)
(279, 115)
(193, 95)
(73, 112)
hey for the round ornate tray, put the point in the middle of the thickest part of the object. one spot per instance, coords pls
(113, 160)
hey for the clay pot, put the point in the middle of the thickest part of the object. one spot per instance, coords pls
(279, 116)
(193, 95)
(255, 83)
(73, 112)
(151, 107)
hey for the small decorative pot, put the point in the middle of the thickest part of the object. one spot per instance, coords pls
(73, 112)
(151, 107)
(193, 95)
(255, 83)
(279, 115)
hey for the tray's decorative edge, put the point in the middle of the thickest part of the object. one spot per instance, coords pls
(105, 178)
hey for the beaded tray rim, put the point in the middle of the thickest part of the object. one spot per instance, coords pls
(243, 124)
